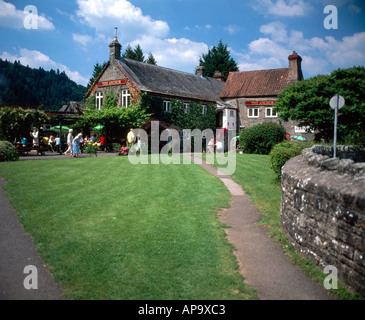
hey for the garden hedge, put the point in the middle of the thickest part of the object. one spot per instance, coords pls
(261, 138)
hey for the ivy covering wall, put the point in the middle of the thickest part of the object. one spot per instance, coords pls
(195, 119)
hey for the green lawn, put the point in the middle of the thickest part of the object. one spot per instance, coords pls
(111, 230)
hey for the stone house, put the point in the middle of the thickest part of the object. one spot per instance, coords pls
(255, 93)
(129, 79)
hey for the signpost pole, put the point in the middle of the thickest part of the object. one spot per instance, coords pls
(335, 129)
(336, 103)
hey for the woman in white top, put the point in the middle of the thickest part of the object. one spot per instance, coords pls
(51, 143)
(69, 143)
(35, 135)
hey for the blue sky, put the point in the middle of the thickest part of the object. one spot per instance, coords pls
(73, 35)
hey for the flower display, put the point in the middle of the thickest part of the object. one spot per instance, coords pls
(91, 148)
(123, 151)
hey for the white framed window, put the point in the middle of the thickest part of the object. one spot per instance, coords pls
(167, 106)
(126, 98)
(253, 112)
(231, 113)
(204, 110)
(187, 108)
(270, 113)
(99, 100)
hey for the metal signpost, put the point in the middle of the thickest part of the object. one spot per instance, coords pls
(336, 103)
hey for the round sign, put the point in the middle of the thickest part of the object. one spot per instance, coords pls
(337, 102)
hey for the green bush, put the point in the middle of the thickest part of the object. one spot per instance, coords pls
(8, 152)
(283, 152)
(260, 139)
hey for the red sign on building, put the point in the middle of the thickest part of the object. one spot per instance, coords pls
(260, 103)
(112, 83)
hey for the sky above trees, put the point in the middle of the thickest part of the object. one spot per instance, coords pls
(73, 35)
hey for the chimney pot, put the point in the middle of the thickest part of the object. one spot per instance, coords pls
(295, 67)
(200, 71)
(219, 76)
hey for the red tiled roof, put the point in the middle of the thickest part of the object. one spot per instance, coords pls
(255, 83)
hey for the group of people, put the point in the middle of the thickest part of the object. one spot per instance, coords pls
(54, 143)
(73, 144)
(131, 140)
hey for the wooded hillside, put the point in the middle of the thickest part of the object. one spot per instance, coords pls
(36, 88)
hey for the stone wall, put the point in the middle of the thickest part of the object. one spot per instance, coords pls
(323, 211)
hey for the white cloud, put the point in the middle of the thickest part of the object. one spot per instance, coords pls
(84, 40)
(180, 54)
(282, 8)
(199, 27)
(10, 17)
(36, 59)
(276, 30)
(320, 55)
(232, 28)
(136, 28)
(103, 15)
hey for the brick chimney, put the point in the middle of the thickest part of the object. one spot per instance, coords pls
(115, 48)
(200, 71)
(295, 67)
(219, 76)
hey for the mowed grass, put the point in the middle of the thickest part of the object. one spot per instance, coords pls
(110, 230)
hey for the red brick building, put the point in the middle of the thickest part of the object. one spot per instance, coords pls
(255, 94)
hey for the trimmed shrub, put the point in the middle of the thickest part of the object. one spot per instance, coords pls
(260, 139)
(283, 152)
(8, 152)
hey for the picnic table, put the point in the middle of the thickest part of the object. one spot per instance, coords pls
(41, 149)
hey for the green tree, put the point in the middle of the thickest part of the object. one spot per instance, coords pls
(307, 102)
(218, 58)
(129, 53)
(138, 55)
(97, 69)
(23, 86)
(138, 52)
(151, 59)
(134, 54)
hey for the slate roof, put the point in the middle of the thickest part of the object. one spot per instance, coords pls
(256, 83)
(160, 80)
(72, 107)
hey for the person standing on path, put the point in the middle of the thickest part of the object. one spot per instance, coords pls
(130, 138)
(57, 146)
(35, 136)
(76, 145)
(69, 142)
